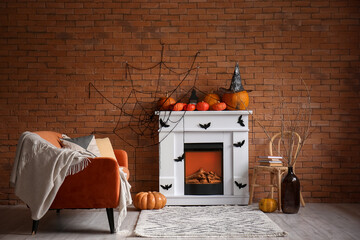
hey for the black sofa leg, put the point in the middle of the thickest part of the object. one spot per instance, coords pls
(110, 215)
(35, 227)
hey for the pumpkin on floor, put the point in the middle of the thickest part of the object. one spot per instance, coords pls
(149, 200)
(268, 205)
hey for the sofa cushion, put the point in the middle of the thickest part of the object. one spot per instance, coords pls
(51, 137)
(85, 143)
(105, 147)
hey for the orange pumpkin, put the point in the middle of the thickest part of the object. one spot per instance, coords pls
(268, 205)
(165, 102)
(149, 200)
(177, 107)
(218, 106)
(202, 106)
(236, 101)
(189, 107)
(212, 99)
(236, 98)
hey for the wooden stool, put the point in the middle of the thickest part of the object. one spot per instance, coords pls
(276, 174)
(275, 181)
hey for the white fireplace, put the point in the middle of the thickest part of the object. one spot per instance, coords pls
(210, 144)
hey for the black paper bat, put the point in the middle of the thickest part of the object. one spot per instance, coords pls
(240, 121)
(166, 187)
(239, 144)
(163, 124)
(240, 185)
(205, 126)
(180, 158)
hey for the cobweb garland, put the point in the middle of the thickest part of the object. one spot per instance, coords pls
(142, 120)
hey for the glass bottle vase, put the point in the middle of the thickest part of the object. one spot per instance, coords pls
(290, 193)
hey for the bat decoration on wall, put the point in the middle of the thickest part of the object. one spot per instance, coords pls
(240, 121)
(205, 126)
(180, 158)
(240, 185)
(239, 144)
(163, 124)
(166, 187)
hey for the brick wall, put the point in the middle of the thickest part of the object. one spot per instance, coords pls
(51, 50)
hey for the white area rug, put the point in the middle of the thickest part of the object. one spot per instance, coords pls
(207, 222)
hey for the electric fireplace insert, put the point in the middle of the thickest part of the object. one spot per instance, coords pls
(203, 169)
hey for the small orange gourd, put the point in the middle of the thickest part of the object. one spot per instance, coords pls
(164, 103)
(177, 107)
(218, 106)
(189, 107)
(149, 200)
(202, 106)
(211, 99)
(268, 205)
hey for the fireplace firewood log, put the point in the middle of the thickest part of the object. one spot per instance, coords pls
(203, 177)
(203, 181)
(196, 175)
(192, 181)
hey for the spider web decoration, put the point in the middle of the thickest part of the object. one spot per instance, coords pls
(138, 110)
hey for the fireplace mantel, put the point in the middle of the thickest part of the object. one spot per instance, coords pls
(227, 127)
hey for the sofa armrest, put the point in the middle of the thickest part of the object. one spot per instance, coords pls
(97, 186)
(121, 157)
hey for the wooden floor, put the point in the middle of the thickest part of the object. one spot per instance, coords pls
(315, 221)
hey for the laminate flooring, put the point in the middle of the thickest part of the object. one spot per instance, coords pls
(315, 221)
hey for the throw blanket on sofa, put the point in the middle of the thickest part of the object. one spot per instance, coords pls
(124, 201)
(39, 170)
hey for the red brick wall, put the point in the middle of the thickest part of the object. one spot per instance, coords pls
(51, 50)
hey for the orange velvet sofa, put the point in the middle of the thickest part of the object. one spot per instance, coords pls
(97, 186)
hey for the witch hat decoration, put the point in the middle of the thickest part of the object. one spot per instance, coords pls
(236, 98)
(236, 85)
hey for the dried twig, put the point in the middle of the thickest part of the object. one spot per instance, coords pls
(295, 124)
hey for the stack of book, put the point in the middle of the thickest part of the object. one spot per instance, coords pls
(271, 161)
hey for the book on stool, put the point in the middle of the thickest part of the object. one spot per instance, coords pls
(271, 161)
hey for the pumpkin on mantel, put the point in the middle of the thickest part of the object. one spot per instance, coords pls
(149, 200)
(202, 106)
(211, 99)
(177, 107)
(165, 103)
(218, 106)
(236, 98)
(236, 101)
(189, 107)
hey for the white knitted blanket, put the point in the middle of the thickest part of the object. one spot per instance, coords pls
(39, 170)
(125, 200)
